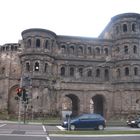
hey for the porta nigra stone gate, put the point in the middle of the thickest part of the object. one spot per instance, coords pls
(78, 74)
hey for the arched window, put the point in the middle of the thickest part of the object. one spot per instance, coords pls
(126, 49)
(3, 70)
(29, 43)
(106, 75)
(62, 73)
(80, 50)
(80, 70)
(36, 67)
(135, 49)
(12, 47)
(46, 67)
(106, 51)
(28, 66)
(135, 71)
(97, 73)
(89, 73)
(63, 48)
(97, 51)
(3, 48)
(118, 73)
(126, 71)
(134, 27)
(89, 51)
(37, 43)
(71, 49)
(15, 48)
(71, 71)
(7, 48)
(46, 44)
(117, 29)
(124, 28)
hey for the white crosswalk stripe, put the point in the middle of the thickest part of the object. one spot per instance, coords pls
(2, 125)
(61, 128)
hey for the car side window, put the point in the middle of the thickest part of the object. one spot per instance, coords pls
(93, 117)
(84, 117)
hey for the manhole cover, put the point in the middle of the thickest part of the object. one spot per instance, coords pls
(18, 132)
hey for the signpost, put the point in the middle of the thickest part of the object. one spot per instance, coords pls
(66, 115)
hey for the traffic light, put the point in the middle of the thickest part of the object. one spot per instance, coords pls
(19, 92)
(25, 95)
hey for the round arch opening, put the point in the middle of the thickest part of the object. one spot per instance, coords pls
(13, 104)
(71, 103)
(98, 104)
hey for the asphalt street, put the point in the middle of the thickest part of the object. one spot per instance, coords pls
(23, 132)
(41, 132)
(21, 137)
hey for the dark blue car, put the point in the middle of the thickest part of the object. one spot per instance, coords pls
(85, 121)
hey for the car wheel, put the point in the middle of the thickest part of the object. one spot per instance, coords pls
(100, 127)
(72, 127)
(138, 125)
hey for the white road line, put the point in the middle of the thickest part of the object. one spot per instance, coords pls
(44, 128)
(61, 128)
(48, 138)
(3, 125)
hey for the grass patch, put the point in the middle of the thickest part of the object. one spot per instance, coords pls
(94, 132)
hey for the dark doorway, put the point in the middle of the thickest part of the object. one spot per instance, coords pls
(13, 104)
(98, 104)
(72, 103)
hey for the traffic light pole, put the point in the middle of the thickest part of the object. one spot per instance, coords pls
(23, 97)
(20, 105)
(25, 106)
(19, 113)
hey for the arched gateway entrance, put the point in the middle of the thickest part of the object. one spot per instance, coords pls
(71, 103)
(98, 103)
(12, 103)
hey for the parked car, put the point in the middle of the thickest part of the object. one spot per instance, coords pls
(134, 122)
(85, 121)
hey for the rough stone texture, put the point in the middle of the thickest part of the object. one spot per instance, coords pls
(80, 74)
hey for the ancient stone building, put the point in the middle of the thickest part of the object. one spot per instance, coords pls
(80, 74)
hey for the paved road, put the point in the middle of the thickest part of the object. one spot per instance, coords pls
(22, 137)
(23, 132)
(40, 132)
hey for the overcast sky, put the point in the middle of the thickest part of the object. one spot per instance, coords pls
(64, 17)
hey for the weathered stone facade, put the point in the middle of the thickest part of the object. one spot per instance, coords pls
(100, 75)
